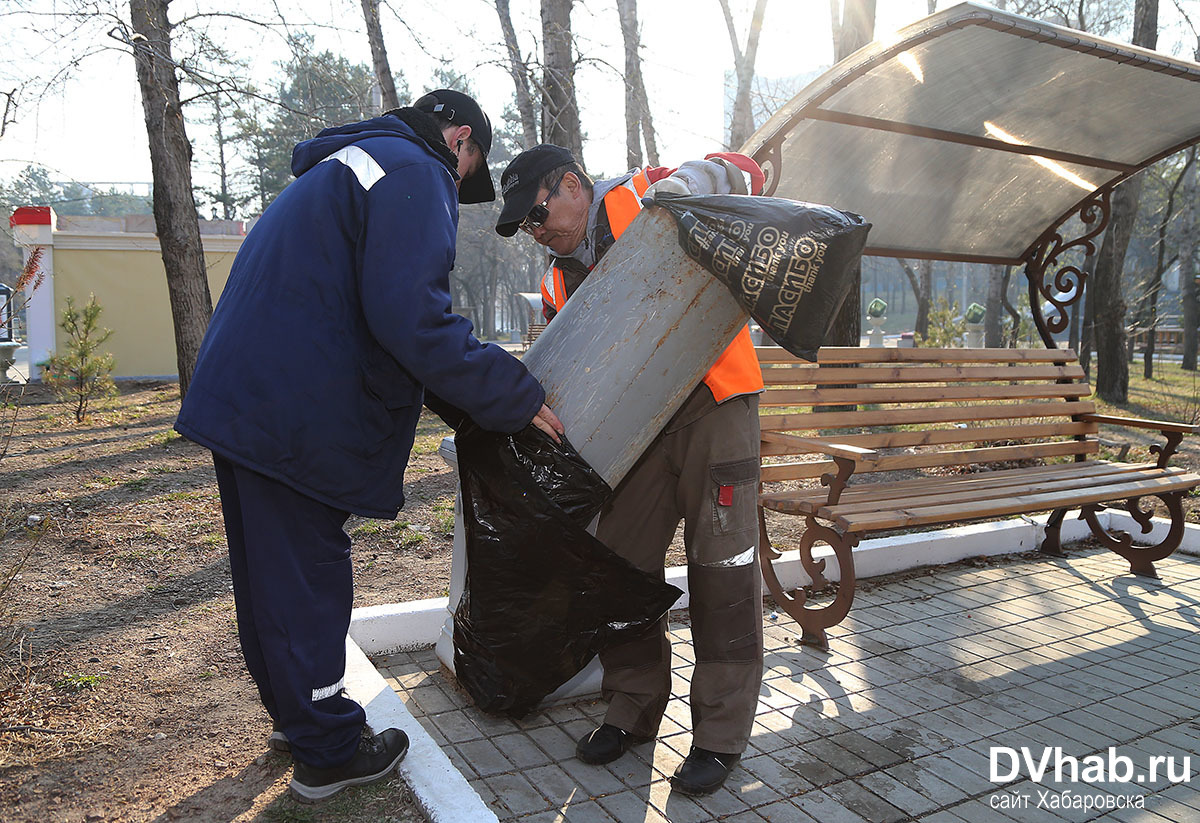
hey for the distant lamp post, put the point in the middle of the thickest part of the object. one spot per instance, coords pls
(974, 317)
(8, 342)
(6, 314)
(876, 315)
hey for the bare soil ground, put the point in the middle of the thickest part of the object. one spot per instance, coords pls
(123, 695)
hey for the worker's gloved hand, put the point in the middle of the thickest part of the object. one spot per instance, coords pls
(716, 176)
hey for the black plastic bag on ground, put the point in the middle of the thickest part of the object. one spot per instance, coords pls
(789, 264)
(542, 596)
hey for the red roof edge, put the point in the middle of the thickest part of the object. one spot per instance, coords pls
(30, 216)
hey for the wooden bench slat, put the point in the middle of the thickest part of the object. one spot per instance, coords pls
(969, 457)
(933, 495)
(855, 354)
(919, 394)
(1172, 480)
(929, 460)
(900, 417)
(883, 375)
(930, 437)
(803, 501)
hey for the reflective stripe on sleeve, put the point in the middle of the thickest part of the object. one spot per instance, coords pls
(362, 164)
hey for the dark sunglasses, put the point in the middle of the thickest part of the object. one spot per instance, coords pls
(540, 213)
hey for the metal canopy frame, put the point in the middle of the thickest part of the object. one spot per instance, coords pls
(1049, 276)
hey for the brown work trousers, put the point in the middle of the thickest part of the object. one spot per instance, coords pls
(703, 469)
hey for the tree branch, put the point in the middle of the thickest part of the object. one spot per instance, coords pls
(733, 41)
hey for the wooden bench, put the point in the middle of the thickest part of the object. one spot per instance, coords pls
(531, 334)
(942, 436)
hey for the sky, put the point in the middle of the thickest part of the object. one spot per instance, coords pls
(89, 128)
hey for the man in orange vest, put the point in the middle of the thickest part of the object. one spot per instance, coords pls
(702, 468)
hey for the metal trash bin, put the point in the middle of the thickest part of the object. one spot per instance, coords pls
(617, 363)
(632, 343)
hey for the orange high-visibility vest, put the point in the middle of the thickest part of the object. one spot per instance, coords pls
(736, 371)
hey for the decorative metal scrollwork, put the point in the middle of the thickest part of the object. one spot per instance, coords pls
(837, 483)
(1066, 286)
(1141, 559)
(770, 160)
(1165, 451)
(813, 621)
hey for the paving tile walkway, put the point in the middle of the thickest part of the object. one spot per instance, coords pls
(930, 674)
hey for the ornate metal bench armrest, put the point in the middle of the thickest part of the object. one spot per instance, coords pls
(1163, 426)
(1173, 432)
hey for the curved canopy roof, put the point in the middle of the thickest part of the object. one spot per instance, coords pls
(973, 132)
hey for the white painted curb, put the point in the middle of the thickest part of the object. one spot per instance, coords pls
(440, 789)
(419, 624)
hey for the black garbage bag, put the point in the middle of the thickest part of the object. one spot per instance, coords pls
(542, 596)
(789, 264)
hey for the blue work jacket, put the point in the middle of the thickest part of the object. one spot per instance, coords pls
(335, 318)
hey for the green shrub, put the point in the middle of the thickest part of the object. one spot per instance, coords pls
(946, 326)
(83, 374)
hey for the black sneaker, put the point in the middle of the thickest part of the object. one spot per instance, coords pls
(606, 744)
(375, 758)
(277, 740)
(703, 772)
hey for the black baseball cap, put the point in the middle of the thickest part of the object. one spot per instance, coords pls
(462, 110)
(519, 183)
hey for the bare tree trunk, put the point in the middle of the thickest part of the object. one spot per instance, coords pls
(1187, 264)
(1112, 367)
(1005, 277)
(921, 281)
(560, 111)
(1087, 333)
(379, 58)
(519, 70)
(637, 104)
(741, 124)
(1151, 333)
(1187, 276)
(222, 162)
(926, 299)
(648, 128)
(1161, 264)
(853, 28)
(1077, 319)
(174, 205)
(993, 336)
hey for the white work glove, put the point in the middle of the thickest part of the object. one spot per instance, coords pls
(716, 176)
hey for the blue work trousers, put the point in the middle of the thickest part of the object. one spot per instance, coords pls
(293, 586)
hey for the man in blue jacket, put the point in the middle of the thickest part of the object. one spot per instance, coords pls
(335, 320)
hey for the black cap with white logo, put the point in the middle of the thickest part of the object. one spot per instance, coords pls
(519, 183)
